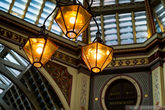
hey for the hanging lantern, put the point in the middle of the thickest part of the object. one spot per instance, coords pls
(97, 56)
(72, 19)
(39, 50)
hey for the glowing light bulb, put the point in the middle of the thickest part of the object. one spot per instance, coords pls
(98, 56)
(107, 52)
(40, 48)
(72, 20)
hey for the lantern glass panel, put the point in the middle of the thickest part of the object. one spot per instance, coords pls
(82, 21)
(27, 49)
(104, 56)
(37, 45)
(49, 50)
(59, 19)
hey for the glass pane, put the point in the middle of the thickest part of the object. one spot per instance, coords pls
(95, 3)
(23, 61)
(1, 48)
(124, 1)
(5, 4)
(141, 26)
(55, 28)
(18, 8)
(125, 24)
(110, 30)
(13, 71)
(138, 0)
(160, 11)
(48, 8)
(33, 10)
(109, 2)
(10, 58)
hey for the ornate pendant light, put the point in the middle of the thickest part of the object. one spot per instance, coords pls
(97, 55)
(40, 49)
(72, 19)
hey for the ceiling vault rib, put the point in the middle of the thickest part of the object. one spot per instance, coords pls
(133, 27)
(118, 29)
(102, 27)
(40, 12)
(12, 65)
(47, 108)
(150, 20)
(11, 6)
(52, 20)
(159, 22)
(26, 8)
(163, 2)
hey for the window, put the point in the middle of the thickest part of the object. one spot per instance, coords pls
(18, 8)
(109, 2)
(48, 8)
(110, 30)
(124, 1)
(138, 0)
(95, 3)
(160, 11)
(141, 26)
(5, 4)
(33, 11)
(126, 31)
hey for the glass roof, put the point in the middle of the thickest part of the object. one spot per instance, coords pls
(116, 29)
(12, 58)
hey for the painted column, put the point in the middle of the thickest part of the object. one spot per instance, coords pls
(158, 86)
(81, 94)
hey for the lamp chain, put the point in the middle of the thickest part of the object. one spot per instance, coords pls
(98, 34)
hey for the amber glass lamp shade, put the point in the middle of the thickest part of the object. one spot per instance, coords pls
(97, 56)
(73, 20)
(39, 50)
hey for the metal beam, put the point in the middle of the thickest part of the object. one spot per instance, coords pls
(19, 84)
(5, 105)
(12, 65)
(3, 86)
(4, 52)
(133, 27)
(40, 12)
(11, 6)
(121, 8)
(155, 3)
(26, 8)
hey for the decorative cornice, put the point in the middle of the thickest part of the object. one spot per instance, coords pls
(12, 37)
(128, 62)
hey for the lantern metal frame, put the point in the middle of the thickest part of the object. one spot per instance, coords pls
(80, 5)
(98, 40)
